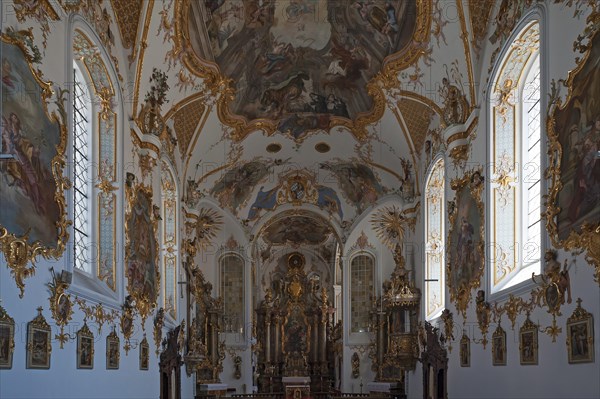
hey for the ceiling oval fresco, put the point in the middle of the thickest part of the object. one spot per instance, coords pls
(300, 65)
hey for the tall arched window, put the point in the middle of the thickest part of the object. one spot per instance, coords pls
(95, 181)
(516, 244)
(170, 249)
(362, 288)
(232, 292)
(434, 239)
(82, 161)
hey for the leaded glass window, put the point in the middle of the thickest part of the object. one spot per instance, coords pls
(361, 292)
(434, 238)
(232, 291)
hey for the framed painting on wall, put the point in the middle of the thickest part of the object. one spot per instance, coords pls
(466, 239)
(7, 339)
(38, 342)
(144, 354)
(528, 343)
(573, 125)
(465, 351)
(499, 347)
(113, 354)
(580, 336)
(33, 220)
(85, 348)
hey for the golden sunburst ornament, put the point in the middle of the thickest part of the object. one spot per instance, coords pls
(207, 225)
(390, 225)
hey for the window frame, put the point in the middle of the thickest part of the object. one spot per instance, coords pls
(233, 336)
(89, 285)
(442, 280)
(351, 258)
(515, 282)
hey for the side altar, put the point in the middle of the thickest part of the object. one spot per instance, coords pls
(295, 350)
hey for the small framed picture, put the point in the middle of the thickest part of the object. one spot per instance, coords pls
(85, 348)
(528, 343)
(144, 354)
(38, 343)
(499, 347)
(7, 339)
(580, 336)
(113, 354)
(465, 351)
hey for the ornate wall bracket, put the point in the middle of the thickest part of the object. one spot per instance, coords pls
(61, 305)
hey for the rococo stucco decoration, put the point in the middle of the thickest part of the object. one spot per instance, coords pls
(141, 254)
(33, 221)
(466, 239)
(315, 72)
(573, 215)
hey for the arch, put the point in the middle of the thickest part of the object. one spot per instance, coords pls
(232, 288)
(105, 140)
(434, 236)
(170, 238)
(515, 151)
(362, 290)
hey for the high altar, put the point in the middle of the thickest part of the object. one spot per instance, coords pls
(295, 355)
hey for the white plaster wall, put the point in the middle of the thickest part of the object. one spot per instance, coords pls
(553, 377)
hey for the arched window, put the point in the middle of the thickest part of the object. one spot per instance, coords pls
(82, 190)
(232, 292)
(95, 181)
(516, 244)
(434, 239)
(362, 287)
(170, 249)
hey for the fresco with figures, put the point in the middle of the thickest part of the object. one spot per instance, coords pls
(302, 61)
(577, 126)
(29, 145)
(142, 248)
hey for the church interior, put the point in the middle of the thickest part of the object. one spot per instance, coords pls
(304, 199)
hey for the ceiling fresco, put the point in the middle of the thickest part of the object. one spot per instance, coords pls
(296, 231)
(300, 65)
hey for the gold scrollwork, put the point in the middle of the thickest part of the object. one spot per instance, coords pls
(390, 224)
(127, 323)
(60, 304)
(141, 251)
(97, 313)
(221, 86)
(448, 327)
(588, 238)
(463, 277)
(159, 320)
(18, 250)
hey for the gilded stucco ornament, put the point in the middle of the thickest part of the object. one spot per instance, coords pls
(204, 226)
(21, 249)
(390, 224)
(159, 320)
(222, 87)
(466, 249)
(61, 305)
(97, 313)
(484, 316)
(570, 218)
(141, 254)
(448, 320)
(126, 322)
